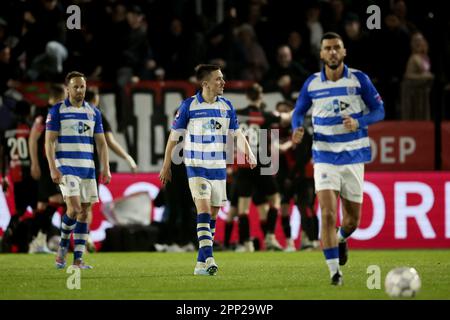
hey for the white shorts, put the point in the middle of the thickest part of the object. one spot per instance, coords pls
(347, 179)
(86, 189)
(213, 190)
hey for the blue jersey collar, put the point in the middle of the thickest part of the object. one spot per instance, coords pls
(68, 104)
(323, 76)
(200, 97)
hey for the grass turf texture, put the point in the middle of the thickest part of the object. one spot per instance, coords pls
(261, 275)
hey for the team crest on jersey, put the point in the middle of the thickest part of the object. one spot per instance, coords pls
(90, 116)
(81, 127)
(177, 115)
(351, 91)
(212, 125)
(49, 118)
(223, 113)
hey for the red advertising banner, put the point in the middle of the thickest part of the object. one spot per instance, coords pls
(445, 145)
(400, 210)
(402, 146)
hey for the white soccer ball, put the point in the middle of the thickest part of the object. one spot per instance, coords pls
(402, 282)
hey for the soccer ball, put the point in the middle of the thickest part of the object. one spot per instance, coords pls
(402, 282)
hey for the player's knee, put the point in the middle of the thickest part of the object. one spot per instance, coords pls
(328, 216)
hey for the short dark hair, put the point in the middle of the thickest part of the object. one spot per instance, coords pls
(330, 35)
(204, 70)
(254, 92)
(74, 74)
(55, 90)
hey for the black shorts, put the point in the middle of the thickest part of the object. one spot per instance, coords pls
(46, 187)
(252, 183)
(306, 192)
(25, 194)
(287, 189)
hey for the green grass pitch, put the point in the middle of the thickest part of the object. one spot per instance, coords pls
(241, 276)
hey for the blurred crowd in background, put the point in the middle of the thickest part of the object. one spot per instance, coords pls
(274, 43)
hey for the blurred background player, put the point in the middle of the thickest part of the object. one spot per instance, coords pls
(92, 96)
(251, 182)
(284, 177)
(71, 128)
(210, 121)
(49, 195)
(348, 103)
(15, 161)
(295, 179)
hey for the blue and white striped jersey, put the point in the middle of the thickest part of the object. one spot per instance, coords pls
(354, 95)
(207, 126)
(75, 145)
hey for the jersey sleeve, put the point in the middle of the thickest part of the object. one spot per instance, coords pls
(98, 128)
(302, 105)
(182, 116)
(52, 123)
(372, 99)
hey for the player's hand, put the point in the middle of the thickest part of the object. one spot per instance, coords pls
(252, 160)
(350, 123)
(165, 175)
(106, 176)
(297, 135)
(132, 164)
(35, 171)
(56, 176)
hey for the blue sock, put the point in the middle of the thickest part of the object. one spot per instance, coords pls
(342, 235)
(212, 227)
(204, 236)
(80, 235)
(332, 259)
(67, 226)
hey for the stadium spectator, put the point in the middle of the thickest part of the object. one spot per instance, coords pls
(286, 75)
(400, 9)
(181, 51)
(44, 22)
(221, 44)
(391, 46)
(48, 66)
(338, 167)
(255, 64)
(417, 82)
(357, 43)
(132, 59)
(49, 194)
(315, 28)
(9, 73)
(71, 127)
(301, 51)
(205, 161)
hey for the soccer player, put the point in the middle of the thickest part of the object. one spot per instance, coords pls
(49, 195)
(209, 122)
(71, 127)
(15, 156)
(263, 187)
(344, 102)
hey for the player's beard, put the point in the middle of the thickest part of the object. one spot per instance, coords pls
(334, 65)
(79, 98)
